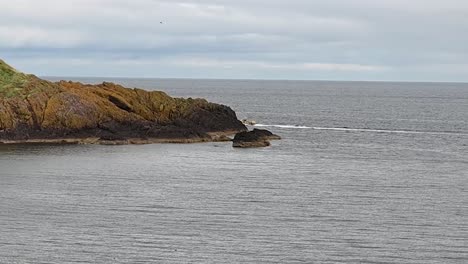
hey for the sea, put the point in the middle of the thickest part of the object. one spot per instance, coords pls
(366, 172)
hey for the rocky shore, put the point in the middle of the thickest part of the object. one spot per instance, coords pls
(33, 110)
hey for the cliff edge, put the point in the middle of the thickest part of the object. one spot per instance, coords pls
(33, 110)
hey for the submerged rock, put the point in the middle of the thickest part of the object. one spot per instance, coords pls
(36, 110)
(253, 139)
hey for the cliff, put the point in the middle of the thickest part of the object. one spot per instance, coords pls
(36, 110)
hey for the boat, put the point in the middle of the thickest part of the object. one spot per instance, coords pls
(248, 122)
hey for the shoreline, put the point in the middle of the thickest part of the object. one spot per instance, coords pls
(222, 136)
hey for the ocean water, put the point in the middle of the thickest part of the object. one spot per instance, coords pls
(366, 173)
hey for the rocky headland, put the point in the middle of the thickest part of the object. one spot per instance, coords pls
(33, 110)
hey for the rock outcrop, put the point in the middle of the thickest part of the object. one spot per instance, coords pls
(36, 110)
(253, 139)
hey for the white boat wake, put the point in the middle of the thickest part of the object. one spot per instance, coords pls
(282, 126)
(365, 130)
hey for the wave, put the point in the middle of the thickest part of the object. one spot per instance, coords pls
(368, 130)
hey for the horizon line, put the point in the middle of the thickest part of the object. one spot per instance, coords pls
(252, 79)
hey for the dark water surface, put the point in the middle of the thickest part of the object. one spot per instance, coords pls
(366, 173)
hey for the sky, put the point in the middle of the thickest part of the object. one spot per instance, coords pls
(384, 40)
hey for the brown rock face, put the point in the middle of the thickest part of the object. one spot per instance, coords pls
(32, 109)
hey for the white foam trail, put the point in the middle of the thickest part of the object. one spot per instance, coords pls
(363, 130)
(282, 126)
(385, 131)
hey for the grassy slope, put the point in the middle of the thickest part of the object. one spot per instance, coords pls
(11, 81)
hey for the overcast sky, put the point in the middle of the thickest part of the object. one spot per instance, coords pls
(399, 40)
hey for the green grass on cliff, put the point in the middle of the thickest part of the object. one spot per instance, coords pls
(11, 81)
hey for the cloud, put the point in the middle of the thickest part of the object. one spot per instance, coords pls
(307, 66)
(359, 39)
(24, 36)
